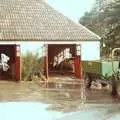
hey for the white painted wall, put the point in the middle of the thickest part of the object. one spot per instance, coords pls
(90, 50)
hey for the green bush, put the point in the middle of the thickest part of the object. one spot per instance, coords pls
(30, 62)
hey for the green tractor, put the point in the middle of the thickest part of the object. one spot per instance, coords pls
(104, 72)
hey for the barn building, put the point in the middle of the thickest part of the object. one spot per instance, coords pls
(36, 20)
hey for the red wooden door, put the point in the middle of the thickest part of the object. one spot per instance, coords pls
(17, 63)
(46, 60)
(77, 62)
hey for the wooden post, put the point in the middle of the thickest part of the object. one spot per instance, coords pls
(46, 60)
(17, 63)
(77, 63)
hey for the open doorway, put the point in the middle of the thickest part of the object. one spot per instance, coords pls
(9, 62)
(63, 60)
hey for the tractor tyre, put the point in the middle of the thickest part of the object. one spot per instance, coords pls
(103, 84)
(114, 87)
(88, 81)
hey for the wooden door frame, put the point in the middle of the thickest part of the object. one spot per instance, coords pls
(77, 59)
(75, 56)
(46, 61)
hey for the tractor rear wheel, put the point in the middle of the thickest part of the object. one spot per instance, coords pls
(114, 86)
(88, 81)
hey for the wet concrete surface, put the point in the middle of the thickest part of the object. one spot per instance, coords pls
(38, 111)
(94, 112)
(64, 97)
(100, 96)
(26, 111)
(54, 91)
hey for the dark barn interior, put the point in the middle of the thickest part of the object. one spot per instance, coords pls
(63, 59)
(10, 51)
(58, 51)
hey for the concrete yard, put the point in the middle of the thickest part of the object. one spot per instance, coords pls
(52, 100)
(64, 96)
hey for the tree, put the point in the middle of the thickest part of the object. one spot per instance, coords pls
(104, 20)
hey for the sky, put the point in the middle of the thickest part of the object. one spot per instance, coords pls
(73, 9)
(31, 46)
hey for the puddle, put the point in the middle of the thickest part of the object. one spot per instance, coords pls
(94, 112)
(64, 97)
(26, 111)
(100, 97)
(62, 85)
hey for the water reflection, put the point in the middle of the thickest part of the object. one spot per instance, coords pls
(101, 96)
(64, 96)
(61, 96)
(26, 111)
(94, 112)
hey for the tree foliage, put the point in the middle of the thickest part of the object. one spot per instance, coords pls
(104, 20)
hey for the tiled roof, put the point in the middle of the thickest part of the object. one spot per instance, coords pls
(37, 20)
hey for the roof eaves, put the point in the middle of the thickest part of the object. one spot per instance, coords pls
(89, 30)
(49, 40)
